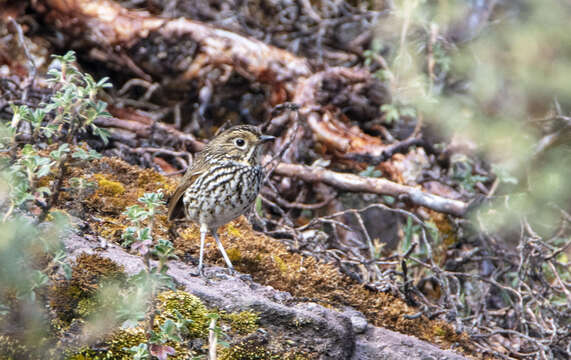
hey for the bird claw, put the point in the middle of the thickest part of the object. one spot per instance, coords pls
(225, 274)
(245, 277)
(199, 273)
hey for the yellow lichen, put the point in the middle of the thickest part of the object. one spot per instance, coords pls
(108, 187)
(282, 266)
(233, 230)
(234, 255)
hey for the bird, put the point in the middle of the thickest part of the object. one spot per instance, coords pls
(221, 184)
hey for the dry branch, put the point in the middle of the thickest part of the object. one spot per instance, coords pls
(324, 121)
(355, 183)
(118, 31)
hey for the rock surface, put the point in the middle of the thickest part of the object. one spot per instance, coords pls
(332, 334)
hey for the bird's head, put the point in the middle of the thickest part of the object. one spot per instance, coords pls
(242, 143)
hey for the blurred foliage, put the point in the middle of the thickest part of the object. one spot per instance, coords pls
(37, 144)
(501, 90)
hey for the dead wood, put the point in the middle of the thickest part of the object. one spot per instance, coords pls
(126, 36)
(131, 126)
(351, 182)
(324, 120)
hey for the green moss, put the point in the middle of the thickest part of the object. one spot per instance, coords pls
(439, 331)
(86, 306)
(297, 357)
(63, 299)
(115, 346)
(150, 180)
(244, 322)
(91, 269)
(110, 196)
(11, 348)
(75, 297)
(253, 348)
(294, 355)
(189, 306)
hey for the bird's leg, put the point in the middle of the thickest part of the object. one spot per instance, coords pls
(221, 248)
(203, 231)
(173, 232)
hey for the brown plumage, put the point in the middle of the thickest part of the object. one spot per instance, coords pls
(222, 183)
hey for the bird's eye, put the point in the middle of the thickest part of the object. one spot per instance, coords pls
(240, 142)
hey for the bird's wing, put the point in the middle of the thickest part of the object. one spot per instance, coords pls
(176, 207)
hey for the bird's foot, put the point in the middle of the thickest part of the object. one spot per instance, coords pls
(226, 274)
(231, 271)
(199, 272)
(245, 277)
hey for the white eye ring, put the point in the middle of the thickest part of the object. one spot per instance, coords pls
(240, 143)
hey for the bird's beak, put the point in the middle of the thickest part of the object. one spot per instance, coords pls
(266, 138)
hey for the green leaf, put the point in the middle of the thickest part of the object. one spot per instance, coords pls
(81, 154)
(129, 236)
(371, 171)
(145, 234)
(104, 134)
(28, 150)
(136, 213)
(391, 112)
(258, 207)
(44, 170)
(39, 279)
(67, 270)
(58, 154)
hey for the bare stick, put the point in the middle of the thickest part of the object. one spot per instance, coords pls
(356, 183)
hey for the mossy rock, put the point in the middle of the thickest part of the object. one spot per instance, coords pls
(76, 297)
